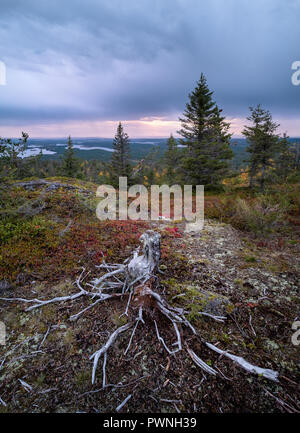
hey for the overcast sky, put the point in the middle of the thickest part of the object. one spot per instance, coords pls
(78, 67)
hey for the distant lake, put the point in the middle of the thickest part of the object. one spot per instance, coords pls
(102, 148)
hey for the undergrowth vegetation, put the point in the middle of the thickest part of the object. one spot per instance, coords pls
(276, 211)
(58, 231)
(64, 235)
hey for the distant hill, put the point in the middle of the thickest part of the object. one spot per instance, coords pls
(101, 148)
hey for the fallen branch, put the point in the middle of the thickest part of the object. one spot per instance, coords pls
(269, 374)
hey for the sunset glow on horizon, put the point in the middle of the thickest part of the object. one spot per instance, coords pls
(146, 127)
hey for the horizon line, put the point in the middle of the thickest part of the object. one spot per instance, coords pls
(112, 137)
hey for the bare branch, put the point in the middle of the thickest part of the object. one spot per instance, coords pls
(106, 346)
(131, 337)
(200, 363)
(269, 374)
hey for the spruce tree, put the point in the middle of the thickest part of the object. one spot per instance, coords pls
(70, 163)
(205, 133)
(120, 165)
(263, 143)
(284, 160)
(171, 161)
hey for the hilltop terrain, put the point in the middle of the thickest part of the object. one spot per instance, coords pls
(233, 268)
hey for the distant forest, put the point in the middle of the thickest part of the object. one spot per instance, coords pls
(139, 149)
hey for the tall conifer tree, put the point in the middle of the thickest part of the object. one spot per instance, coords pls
(205, 133)
(285, 159)
(70, 163)
(263, 143)
(120, 165)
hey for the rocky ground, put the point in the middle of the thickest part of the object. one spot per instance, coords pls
(45, 366)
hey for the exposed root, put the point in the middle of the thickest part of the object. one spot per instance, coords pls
(266, 372)
(200, 363)
(131, 337)
(106, 346)
(161, 340)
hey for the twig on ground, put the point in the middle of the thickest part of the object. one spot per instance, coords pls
(285, 405)
(114, 385)
(123, 403)
(45, 336)
(200, 363)
(250, 323)
(25, 385)
(217, 318)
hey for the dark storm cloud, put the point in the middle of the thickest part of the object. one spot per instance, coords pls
(69, 60)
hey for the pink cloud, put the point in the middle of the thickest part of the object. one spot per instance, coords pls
(145, 127)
